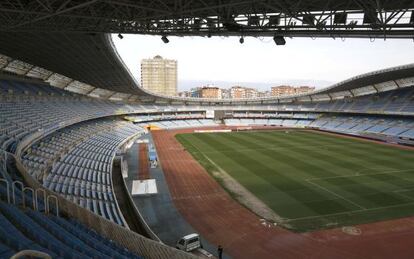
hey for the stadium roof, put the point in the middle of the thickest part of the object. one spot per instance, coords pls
(316, 18)
(93, 60)
(72, 38)
(87, 58)
(372, 78)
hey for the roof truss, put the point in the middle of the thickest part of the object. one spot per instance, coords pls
(316, 18)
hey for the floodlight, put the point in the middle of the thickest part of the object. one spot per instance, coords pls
(279, 40)
(165, 39)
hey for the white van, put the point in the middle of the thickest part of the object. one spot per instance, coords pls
(189, 242)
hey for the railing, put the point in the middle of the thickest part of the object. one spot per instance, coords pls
(35, 196)
(18, 185)
(14, 191)
(31, 254)
(48, 199)
(7, 187)
(24, 190)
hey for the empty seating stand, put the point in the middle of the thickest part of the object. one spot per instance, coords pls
(60, 238)
(75, 158)
(27, 108)
(76, 162)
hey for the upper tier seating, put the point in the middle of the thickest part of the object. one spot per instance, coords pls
(26, 108)
(396, 101)
(391, 127)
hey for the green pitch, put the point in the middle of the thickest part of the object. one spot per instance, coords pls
(312, 180)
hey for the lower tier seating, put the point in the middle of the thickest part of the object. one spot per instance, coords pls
(358, 124)
(22, 229)
(76, 162)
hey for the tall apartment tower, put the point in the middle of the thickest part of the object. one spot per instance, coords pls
(159, 75)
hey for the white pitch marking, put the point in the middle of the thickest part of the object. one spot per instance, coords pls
(337, 195)
(358, 174)
(351, 211)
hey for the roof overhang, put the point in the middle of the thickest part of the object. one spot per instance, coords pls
(91, 62)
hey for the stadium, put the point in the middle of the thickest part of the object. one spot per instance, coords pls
(326, 174)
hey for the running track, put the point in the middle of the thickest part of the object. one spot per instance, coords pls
(143, 171)
(221, 220)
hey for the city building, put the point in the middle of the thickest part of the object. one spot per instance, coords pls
(195, 92)
(225, 94)
(240, 92)
(159, 75)
(289, 90)
(304, 89)
(251, 93)
(282, 90)
(263, 94)
(210, 92)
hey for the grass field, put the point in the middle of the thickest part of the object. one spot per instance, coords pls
(312, 180)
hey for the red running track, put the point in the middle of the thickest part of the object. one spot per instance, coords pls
(222, 220)
(143, 165)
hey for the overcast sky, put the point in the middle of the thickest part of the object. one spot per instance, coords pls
(320, 61)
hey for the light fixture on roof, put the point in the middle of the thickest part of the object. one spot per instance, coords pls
(279, 40)
(120, 36)
(165, 39)
(241, 40)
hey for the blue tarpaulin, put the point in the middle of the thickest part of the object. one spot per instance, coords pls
(152, 156)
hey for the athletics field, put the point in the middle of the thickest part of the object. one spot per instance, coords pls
(312, 180)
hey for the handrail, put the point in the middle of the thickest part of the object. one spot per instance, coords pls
(38, 190)
(30, 253)
(48, 199)
(33, 197)
(8, 189)
(14, 190)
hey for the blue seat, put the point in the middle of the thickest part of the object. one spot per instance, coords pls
(36, 233)
(6, 251)
(103, 240)
(88, 238)
(63, 235)
(12, 238)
